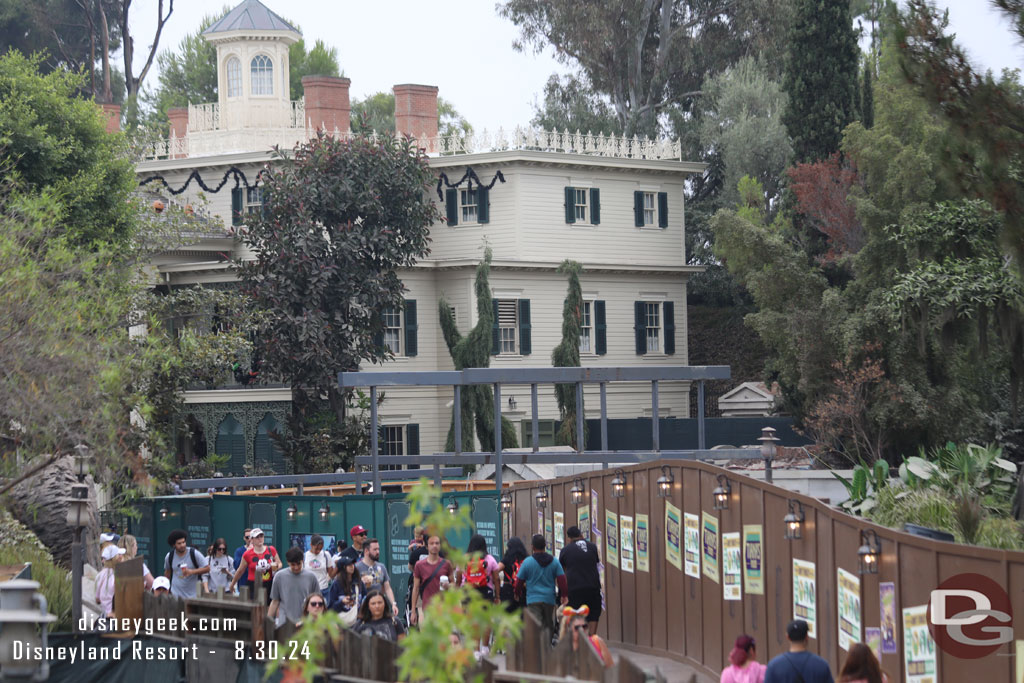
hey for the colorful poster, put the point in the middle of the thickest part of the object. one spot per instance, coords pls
(732, 569)
(753, 552)
(540, 522)
(643, 540)
(673, 530)
(848, 596)
(887, 610)
(709, 538)
(595, 516)
(559, 532)
(611, 531)
(692, 544)
(873, 639)
(549, 533)
(583, 520)
(626, 543)
(805, 595)
(918, 646)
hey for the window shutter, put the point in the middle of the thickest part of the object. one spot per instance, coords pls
(638, 209)
(668, 311)
(495, 340)
(483, 204)
(451, 200)
(600, 329)
(236, 206)
(412, 437)
(663, 209)
(378, 336)
(595, 206)
(411, 327)
(570, 205)
(525, 345)
(264, 200)
(640, 327)
(231, 441)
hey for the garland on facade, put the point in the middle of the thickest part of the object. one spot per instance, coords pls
(239, 175)
(468, 177)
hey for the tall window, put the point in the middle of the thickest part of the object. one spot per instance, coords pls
(508, 326)
(262, 70)
(653, 315)
(392, 443)
(648, 208)
(587, 328)
(393, 332)
(468, 203)
(581, 203)
(254, 199)
(234, 77)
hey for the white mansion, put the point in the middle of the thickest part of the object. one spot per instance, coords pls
(615, 205)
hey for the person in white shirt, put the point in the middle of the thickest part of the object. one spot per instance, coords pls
(320, 563)
(222, 567)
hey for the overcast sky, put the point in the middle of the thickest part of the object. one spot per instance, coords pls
(465, 48)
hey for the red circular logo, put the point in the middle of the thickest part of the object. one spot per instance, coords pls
(970, 616)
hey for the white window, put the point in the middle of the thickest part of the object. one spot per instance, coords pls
(508, 326)
(393, 331)
(392, 442)
(262, 71)
(652, 314)
(587, 328)
(254, 199)
(649, 213)
(581, 204)
(468, 205)
(234, 69)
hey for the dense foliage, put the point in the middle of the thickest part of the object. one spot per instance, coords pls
(567, 353)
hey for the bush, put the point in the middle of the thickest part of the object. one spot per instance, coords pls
(1001, 533)
(19, 545)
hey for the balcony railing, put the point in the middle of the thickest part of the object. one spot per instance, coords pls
(207, 117)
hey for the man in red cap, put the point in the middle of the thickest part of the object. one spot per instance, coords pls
(355, 551)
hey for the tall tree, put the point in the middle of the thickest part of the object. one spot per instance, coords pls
(342, 216)
(570, 103)
(321, 60)
(567, 353)
(820, 78)
(376, 113)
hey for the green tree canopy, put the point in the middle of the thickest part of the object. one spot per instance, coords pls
(570, 103)
(376, 113)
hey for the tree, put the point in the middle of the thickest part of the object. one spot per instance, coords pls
(821, 191)
(320, 61)
(341, 216)
(474, 351)
(376, 113)
(53, 141)
(571, 104)
(867, 96)
(820, 78)
(567, 354)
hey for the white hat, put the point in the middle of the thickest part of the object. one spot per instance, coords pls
(112, 551)
(161, 582)
(107, 538)
(253, 533)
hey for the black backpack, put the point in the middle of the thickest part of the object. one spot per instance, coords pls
(191, 554)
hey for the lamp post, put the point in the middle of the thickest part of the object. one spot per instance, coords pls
(78, 519)
(453, 506)
(794, 520)
(542, 496)
(869, 552)
(325, 512)
(577, 491)
(721, 493)
(768, 441)
(619, 484)
(665, 482)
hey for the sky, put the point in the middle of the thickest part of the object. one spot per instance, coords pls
(465, 48)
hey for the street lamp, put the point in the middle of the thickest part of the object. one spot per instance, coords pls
(721, 493)
(506, 502)
(78, 519)
(768, 441)
(619, 484)
(665, 482)
(163, 513)
(325, 512)
(577, 491)
(869, 552)
(542, 496)
(453, 505)
(291, 512)
(794, 520)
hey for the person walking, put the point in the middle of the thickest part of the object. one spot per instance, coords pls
(258, 562)
(312, 608)
(346, 592)
(861, 666)
(798, 665)
(376, 617)
(320, 562)
(743, 665)
(222, 567)
(482, 574)
(239, 551)
(574, 620)
(374, 574)
(290, 589)
(184, 565)
(542, 579)
(355, 551)
(579, 559)
(131, 547)
(515, 555)
(426, 578)
(161, 585)
(105, 579)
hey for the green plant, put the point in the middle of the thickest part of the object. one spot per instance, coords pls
(19, 545)
(863, 488)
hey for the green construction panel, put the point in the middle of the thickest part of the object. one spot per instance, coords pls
(399, 537)
(142, 528)
(293, 529)
(229, 520)
(262, 515)
(487, 521)
(163, 527)
(199, 525)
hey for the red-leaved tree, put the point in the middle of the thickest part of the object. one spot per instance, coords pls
(821, 191)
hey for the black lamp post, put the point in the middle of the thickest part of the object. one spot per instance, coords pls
(577, 491)
(665, 482)
(794, 520)
(721, 493)
(542, 496)
(619, 484)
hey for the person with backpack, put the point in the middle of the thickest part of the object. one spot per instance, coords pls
(183, 565)
(580, 559)
(515, 554)
(426, 581)
(259, 562)
(798, 665)
(482, 574)
(542, 579)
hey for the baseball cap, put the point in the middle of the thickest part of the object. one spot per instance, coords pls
(255, 532)
(796, 631)
(107, 538)
(112, 551)
(357, 530)
(343, 560)
(161, 582)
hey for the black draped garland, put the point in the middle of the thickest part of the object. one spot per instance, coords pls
(468, 177)
(237, 173)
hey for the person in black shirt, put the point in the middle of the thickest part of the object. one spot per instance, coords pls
(354, 551)
(579, 559)
(515, 554)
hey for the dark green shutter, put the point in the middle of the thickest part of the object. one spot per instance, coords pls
(265, 449)
(483, 205)
(495, 340)
(668, 310)
(411, 327)
(663, 209)
(570, 205)
(236, 206)
(451, 200)
(231, 441)
(595, 206)
(525, 343)
(638, 209)
(640, 327)
(600, 329)
(412, 436)
(264, 200)
(378, 336)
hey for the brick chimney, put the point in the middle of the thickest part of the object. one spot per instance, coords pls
(112, 112)
(416, 110)
(178, 116)
(327, 103)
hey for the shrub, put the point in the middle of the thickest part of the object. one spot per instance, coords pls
(19, 545)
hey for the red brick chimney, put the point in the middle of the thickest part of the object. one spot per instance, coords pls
(178, 116)
(416, 110)
(327, 103)
(113, 114)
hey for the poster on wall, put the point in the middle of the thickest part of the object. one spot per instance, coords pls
(559, 532)
(691, 546)
(626, 543)
(611, 534)
(583, 520)
(848, 597)
(753, 552)
(887, 610)
(709, 539)
(873, 639)
(805, 595)
(540, 522)
(595, 517)
(732, 570)
(673, 536)
(549, 533)
(643, 539)
(918, 646)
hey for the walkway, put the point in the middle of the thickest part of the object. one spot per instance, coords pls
(672, 670)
